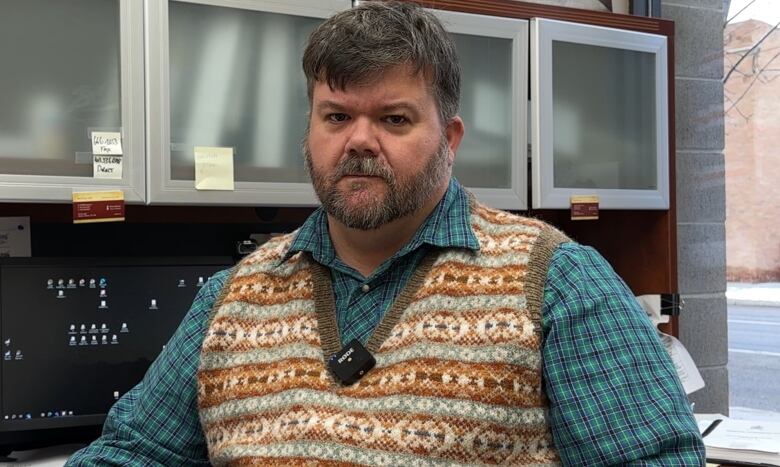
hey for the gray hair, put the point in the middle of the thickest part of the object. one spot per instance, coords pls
(357, 45)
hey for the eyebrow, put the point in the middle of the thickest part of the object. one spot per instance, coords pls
(411, 108)
(328, 105)
(333, 105)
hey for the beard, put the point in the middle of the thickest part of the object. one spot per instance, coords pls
(402, 196)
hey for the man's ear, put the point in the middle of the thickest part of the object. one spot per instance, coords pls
(454, 132)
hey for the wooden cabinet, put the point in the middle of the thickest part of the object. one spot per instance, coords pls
(640, 242)
(227, 73)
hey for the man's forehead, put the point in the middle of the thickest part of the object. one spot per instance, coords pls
(389, 88)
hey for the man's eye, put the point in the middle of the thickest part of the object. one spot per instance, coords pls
(396, 119)
(337, 117)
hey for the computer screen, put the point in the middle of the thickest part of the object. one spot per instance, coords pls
(77, 333)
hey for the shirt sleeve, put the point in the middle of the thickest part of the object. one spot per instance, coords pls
(615, 398)
(156, 423)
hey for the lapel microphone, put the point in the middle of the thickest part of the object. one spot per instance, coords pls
(351, 363)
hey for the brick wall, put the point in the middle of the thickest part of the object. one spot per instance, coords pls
(752, 152)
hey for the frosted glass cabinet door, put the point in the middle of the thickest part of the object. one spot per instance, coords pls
(69, 67)
(600, 124)
(491, 160)
(227, 73)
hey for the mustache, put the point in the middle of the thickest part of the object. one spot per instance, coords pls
(361, 165)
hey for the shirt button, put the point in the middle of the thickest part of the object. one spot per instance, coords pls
(365, 288)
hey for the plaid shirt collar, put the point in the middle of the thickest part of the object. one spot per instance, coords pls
(447, 226)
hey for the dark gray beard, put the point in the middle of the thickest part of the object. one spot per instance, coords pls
(402, 198)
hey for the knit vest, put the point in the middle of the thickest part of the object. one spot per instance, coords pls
(457, 380)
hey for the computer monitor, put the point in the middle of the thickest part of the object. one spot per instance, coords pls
(77, 333)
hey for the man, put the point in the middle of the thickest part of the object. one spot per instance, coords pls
(496, 339)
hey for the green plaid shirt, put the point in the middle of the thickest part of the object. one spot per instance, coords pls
(362, 301)
(615, 398)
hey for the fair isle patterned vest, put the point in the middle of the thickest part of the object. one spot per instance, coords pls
(458, 376)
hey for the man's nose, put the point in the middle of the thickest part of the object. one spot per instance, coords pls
(363, 138)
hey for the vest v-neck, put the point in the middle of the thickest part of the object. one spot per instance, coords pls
(325, 306)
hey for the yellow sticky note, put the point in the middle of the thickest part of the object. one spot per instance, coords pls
(213, 168)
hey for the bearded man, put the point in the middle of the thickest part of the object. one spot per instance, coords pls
(462, 335)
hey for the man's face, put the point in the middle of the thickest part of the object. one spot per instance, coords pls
(377, 152)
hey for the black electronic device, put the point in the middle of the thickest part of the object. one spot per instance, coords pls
(77, 333)
(351, 363)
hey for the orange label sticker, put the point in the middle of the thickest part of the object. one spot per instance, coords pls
(98, 206)
(584, 208)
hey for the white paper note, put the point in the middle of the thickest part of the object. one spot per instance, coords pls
(213, 168)
(745, 435)
(686, 369)
(14, 236)
(107, 167)
(652, 306)
(107, 143)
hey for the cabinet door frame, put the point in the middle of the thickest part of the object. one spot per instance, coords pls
(516, 196)
(161, 189)
(544, 194)
(59, 189)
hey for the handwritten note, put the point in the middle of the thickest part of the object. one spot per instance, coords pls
(107, 143)
(107, 167)
(213, 168)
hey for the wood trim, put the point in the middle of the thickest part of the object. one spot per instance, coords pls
(672, 218)
(525, 10)
(141, 214)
